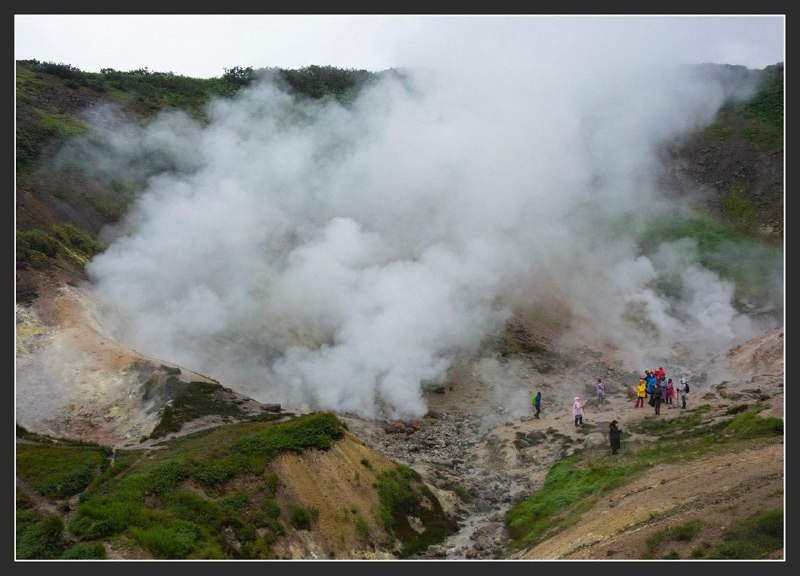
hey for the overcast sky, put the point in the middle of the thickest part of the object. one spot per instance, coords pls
(204, 45)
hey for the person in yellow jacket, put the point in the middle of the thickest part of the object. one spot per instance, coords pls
(641, 391)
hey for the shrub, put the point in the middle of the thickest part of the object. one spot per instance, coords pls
(270, 484)
(85, 551)
(42, 540)
(173, 542)
(301, 518)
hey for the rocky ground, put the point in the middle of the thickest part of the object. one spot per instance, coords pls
(482, 466)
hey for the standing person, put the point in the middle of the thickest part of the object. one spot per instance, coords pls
(651, 381)
(641, 392)
(660, 374)
(601, 391)
(537, 403)
(657, 398)
(614, 436)
(670, 392)
(683, 389)
(577, 411)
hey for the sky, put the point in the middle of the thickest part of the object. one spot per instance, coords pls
(324, 256)
(205, 45)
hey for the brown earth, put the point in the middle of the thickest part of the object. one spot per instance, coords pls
(718, 491)
(337, 484)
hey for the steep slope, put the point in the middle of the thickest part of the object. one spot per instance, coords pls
(739, 159)
(300, 488)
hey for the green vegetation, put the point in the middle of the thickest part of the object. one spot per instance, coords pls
(402, 494)
(744, 425)
(192, 401)
(734, 255)
(753, 538)
(60, 471)
(153, 501)
(321, 81)
(739, 209)
(767, 104)
(575, 483)
(85, 551)
(301, 517)
(271, 484)
(41, 538)
(62, 243)
(49, 99)
(37, 129)
(142, 90)
(682, 532)
(759, 121)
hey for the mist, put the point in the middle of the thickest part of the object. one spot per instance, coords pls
(331, 257)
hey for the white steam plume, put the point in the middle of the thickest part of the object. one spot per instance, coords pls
(334, 258)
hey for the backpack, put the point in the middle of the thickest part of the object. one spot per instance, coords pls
(686, 385)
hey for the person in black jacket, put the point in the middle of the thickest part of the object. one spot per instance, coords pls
(614, 436)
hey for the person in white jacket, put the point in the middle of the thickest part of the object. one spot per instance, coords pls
(683, 390)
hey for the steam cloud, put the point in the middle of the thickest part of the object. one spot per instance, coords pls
(334, 257)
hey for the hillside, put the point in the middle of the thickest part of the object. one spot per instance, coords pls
(739, 157)
(298, 488)
(127, 455)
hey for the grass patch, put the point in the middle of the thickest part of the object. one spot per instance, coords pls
(61, 242)
(739, 208)
(237, 502)
(190, 402)
(41, 539)
(753, 538)
(150, 498)
(570, 487)
(362, 528)
(271, 509)
(575, 483)
(767, 104)
(686, 424)
(682, 532)
(173, 541)
(60, 471)
(85, 551)
(301, 517)
(271, 483)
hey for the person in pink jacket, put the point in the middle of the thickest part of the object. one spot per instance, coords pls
(577, 411)
(670, 393)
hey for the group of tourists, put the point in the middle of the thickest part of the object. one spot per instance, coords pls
(654, 385)
(660, 389)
